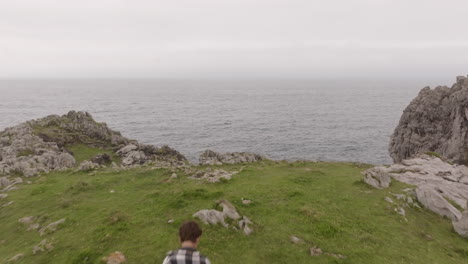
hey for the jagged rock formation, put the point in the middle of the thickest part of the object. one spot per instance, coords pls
(209, 157)
(435, 121)
(440, 186)
(41, 145)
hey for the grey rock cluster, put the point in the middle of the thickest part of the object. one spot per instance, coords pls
(209, 157)
(438, 183)
(213, 176)
(214, 217)
(435, 121)
(140, 154)
(24, 153)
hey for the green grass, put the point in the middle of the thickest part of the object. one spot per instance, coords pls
(24, 153)
(326, 204)
(83, 152)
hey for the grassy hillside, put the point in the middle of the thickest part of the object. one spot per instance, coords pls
(326, 204)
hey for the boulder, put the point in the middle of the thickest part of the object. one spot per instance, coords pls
(212, 217)
(229, 210)
(139, 154)
(88, 166)
(435, 121)
(209, 157)
(377, 177)
(102, 159)
(4, 182)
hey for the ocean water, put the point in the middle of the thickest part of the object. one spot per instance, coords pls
(291, 119)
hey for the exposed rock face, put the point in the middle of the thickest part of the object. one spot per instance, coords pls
(438, 183)
(377, 177)
(435, 121)
(209, 157)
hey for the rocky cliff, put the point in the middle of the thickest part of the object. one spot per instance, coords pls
(42, 145)
(435, 121)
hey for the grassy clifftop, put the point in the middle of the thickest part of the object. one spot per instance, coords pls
(325, 204)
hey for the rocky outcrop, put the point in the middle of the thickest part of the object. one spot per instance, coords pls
(209, 157)
(435, 121)
(441, 186)
(41, 145)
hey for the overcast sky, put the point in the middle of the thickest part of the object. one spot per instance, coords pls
(233, 38)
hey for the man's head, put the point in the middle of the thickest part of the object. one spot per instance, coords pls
(190, 233)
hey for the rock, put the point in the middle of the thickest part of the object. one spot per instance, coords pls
(88, 166)
(388, 199)
(434, 201)
(170, 221)
(209, 157)
(315, 251)
(246, 202)
(43, 246)
(400, 211)
(102, 159)
(112, 191)
(139, 154)
(338, 256)
(52, 227)
(377, 177)
(431, 172)
(296, 240)
(27, 220)
(244, 225)
(212, 217)
(4, 182)
(7, 204)
(399, 196)
(115, 258)
(15, 258)
(213, 176)
(229, 210)
(435, 121)
(174, 176)
(3, 196)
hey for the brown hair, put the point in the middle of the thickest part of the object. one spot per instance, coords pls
(189, 230)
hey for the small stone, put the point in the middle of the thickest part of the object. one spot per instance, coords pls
(52, 227)
(315, 251)
(388, 199)
(174, 176)
(3, 195)
(296, 240)
(44, 245)
(115, 258)
(170, 221)
(400, 211)
(27, 220)
(246, 201)
(16, 257)
(399, 196)
(247, 230)
(7, 204)
(338, 256)
(112, 191)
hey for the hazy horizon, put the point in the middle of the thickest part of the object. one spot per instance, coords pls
(208, 39)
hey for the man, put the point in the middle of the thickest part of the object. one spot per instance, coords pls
(189, 235)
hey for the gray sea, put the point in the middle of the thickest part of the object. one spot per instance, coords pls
(290, 119)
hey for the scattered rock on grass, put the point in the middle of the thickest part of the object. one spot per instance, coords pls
(170, 221)
(88, 166)
(388, 199)
(43, 246)
(52, 227)
(3, 195)
(115, 258)
(211, 216)
(16, 258)
(245, 201)
(296, 240)
(315, 251)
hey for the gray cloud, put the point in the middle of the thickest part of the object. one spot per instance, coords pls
(233, 38)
